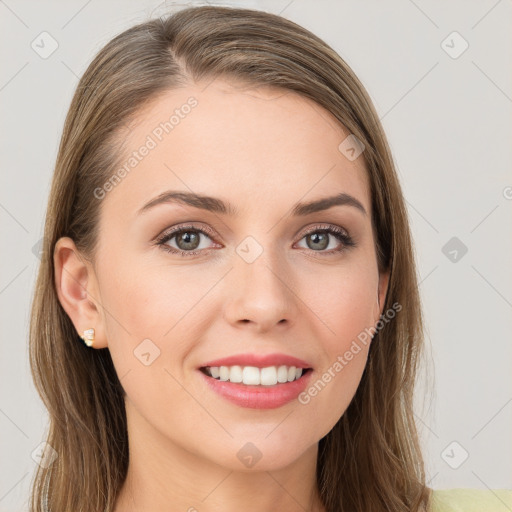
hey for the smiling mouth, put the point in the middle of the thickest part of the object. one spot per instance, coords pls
(254, 376)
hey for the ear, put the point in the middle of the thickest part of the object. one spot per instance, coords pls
(78, 291)
(381, 295)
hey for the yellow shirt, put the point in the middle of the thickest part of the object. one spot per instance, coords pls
(472, 500)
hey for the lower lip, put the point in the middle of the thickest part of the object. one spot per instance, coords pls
(259, 397)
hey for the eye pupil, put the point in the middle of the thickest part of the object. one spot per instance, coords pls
(317, 237)
(186, 237)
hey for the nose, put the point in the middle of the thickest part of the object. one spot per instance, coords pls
(260, 295)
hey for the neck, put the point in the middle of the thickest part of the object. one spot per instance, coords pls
(163, 476)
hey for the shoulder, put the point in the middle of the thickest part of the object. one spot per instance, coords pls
(471, 500)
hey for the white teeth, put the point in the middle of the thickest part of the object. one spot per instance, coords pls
(235, 374)
(282, 374)
(253, 376)
(268, 376)
(224, 373)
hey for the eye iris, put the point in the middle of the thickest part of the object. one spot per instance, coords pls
(186, 237)
(316, 237)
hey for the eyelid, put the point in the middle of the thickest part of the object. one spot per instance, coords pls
(183, 227)
(322, 227)
(343, 237)
(340, 233)
(209, 231)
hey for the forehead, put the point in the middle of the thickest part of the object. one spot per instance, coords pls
(261, 147)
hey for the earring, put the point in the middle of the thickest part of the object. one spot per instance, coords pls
(88, 337)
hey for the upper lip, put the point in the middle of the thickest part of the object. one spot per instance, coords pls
(259, 361)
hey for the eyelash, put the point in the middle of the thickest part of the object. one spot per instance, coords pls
(339, 233)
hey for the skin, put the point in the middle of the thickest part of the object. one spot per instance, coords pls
(263, 150)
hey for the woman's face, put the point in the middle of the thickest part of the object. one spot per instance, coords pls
(251, 274)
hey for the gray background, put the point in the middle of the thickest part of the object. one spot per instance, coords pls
(448, 120)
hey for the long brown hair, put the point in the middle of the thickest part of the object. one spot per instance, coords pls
(371, 459)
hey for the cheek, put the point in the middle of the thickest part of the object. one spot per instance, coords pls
(154, 302)
(155, 315)
(344, 301)
(351, 317)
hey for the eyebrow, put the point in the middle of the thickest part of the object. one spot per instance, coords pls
(215, 205)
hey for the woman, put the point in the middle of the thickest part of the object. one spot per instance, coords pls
(226, 314)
